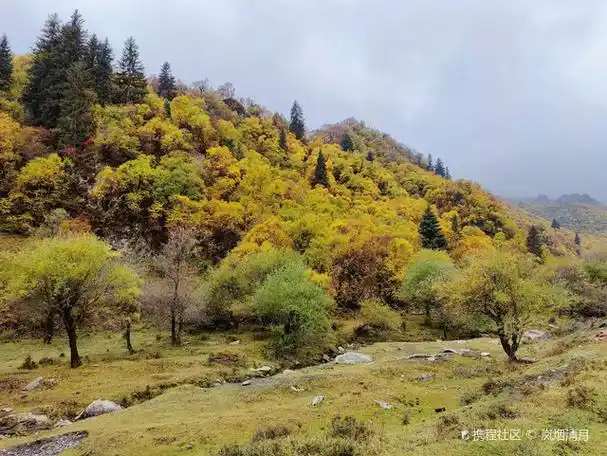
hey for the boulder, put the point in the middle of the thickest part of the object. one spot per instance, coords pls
(384, 405)
(420, 356)
(22, 422)
(98, 407)
(34, 384)
(449, 351)
(353, 358)
(326, 358)
(246, 383)
(317, 400)
(470, 353)
(236, 342)
(62, 423)
(535, 334)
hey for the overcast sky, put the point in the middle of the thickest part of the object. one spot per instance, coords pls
(512, 94)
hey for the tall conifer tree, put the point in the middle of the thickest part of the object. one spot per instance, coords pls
(98, 58)
(430, 232)
(297, 125)
(130, 81)
(439, 169)
(166, 82)
(6, 65)
(321, 176)
(346, 143)
(534, 241)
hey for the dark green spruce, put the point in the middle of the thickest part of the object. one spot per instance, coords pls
(535, 241)
(346, 143)
(297, 126)
(6, 65)
(131, 85)
(430, 232)
(98, 58)
(321, 176)
(167, 86)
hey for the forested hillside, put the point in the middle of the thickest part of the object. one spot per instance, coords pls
(575, 212)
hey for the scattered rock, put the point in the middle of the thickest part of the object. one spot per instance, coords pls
(22, 422)
(6, 410)
(353, 358)
(34, 384)
(62, 423)
(535, 334)
(341, 350)
(449, 350)
(470, 353)
(288, 371)
(49, 383)
(236, 342)
(297, 389)
(326, 358)
(317, 400)
(527, 360)
(246, 383)
(552, 326)
(424, 377)
(485, 354)
(189, 446)
(52, 446)
(601, 336)
(384, 405)
(420, 356)
(263, 370)
(98, 407)
(431, 358)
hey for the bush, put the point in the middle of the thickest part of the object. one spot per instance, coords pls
(297, 309)
(580, 397)
(379, 321)
(29, 363)
(349, 428)
(271, 433)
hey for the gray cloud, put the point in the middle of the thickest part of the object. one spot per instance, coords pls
(510, 93)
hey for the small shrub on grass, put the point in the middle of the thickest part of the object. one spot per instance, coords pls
(226, 359)
(446, 425)
(271, 433)
(580, 397)
(349, 427)
(47, 361)
(406, 419)
(28, 363)
(379, 321)
(492, 386)
(501, 411)
(469, 397)
(298, 312)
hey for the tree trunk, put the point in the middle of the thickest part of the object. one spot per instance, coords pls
(49, 327)
(509, 348)
(179, 329)
(127, 336)
(175, 336)
(70, 328)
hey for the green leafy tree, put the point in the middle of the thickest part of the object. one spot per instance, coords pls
(76, 123)
(535, 241)
(346, 143)
(297, 125)
(321, 176)
(98, 58)
(166, 82)
(76, 277)
(6, 65)
(419, 288)
(130, 80)
(297, 310)
(430, 231)
(503, 288)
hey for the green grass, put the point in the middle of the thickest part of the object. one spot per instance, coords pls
(209, 418)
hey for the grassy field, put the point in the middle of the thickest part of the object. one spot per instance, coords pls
(563, 390)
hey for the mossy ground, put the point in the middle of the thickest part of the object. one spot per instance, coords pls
(487, 393)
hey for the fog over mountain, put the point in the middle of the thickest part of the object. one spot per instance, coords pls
(510, 94)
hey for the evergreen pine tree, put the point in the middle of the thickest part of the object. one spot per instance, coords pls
(282, 140)
(130, 82)
(555, 224)
(167, 108)
(439, 169)
(430, 166)
(455, 227)
(166, 82)
(297, 125)
(534, 241)
(430, 231)
(41, 95)
(578, 239)
(447, 173)
(370, 156)
(346, 143)
(98, 58)
(76, 123)
(320, 173)
(6, 65)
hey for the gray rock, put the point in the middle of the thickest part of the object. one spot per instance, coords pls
(288, 371)
(236, 342)
(326, 358)
(297, 389)
(341, 350)
(420, 356)
(424, 377)
(22, 422)
(470, 353)
(262, 371)
(246, 383)
(99, 407)
(384, 405)
(62, 423)
(353, 358)
(34, 384)
(485, 354)
(449, 350)
(6, 410)
(535, 334)
(317, 400)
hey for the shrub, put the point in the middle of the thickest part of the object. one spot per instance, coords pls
(580, 397)
(47, 361)
(271, 433)
(379, 320)
(297, 309)
(501, 411)
(226, 359)
(469, 397)
(446, 424)
(349, 428)
(29, 363)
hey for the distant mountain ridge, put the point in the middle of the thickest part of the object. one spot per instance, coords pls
(574, 211)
